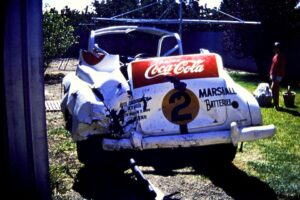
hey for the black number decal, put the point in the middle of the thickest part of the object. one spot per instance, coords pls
(175, 116)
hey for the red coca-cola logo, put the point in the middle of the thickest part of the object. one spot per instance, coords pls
(153, 71)
(182, 67)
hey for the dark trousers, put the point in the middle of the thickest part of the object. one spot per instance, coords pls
(275, 92)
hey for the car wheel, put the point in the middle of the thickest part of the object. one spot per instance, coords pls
(68, 120)
(90, 153)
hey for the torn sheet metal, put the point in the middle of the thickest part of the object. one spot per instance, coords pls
(91, 115)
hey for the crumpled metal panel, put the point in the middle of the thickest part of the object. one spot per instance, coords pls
(90, 115)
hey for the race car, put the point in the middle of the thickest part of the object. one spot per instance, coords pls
(127, 96)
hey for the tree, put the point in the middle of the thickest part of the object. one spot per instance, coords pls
(82, 23)
(279, 20)
(164, 9)
(58, 36)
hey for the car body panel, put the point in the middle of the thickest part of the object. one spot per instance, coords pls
(165, 101)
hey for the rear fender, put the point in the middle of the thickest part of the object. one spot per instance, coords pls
(245, 109)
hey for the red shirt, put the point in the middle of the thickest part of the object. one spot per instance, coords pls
(278, 65)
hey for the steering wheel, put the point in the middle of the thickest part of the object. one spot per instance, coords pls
(142, 55)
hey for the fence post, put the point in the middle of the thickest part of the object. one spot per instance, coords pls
(23, 134)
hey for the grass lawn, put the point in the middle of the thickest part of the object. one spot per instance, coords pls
(275, 161)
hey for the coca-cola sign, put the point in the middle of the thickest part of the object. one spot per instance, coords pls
(153, 71)
(182, 67)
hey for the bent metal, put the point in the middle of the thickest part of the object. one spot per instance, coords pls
(210, 92)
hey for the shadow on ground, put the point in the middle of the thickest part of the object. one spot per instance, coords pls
(109, 183)
(289, 111)
(236, 183)
(106, 184)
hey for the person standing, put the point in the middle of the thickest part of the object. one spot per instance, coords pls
(277, 72)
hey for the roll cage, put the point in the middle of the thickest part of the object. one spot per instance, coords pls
(162, 34)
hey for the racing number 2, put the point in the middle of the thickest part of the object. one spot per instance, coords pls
(175, 115)
(180, 107)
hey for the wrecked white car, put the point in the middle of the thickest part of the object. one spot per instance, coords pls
(139, 101)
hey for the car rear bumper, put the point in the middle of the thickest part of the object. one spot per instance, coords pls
(234, 135)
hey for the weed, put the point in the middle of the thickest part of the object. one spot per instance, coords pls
(63, 160)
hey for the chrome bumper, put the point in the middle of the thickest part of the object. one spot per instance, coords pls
(234, 135)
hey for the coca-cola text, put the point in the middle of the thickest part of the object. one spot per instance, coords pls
(153, 71)
(191, 66)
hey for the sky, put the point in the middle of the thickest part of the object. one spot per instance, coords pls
(211, 3)
(81, 4)
(73, 4)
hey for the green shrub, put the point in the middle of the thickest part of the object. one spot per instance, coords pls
(58, 36)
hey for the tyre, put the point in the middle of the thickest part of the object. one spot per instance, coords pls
(68, 120)
(90, 153)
